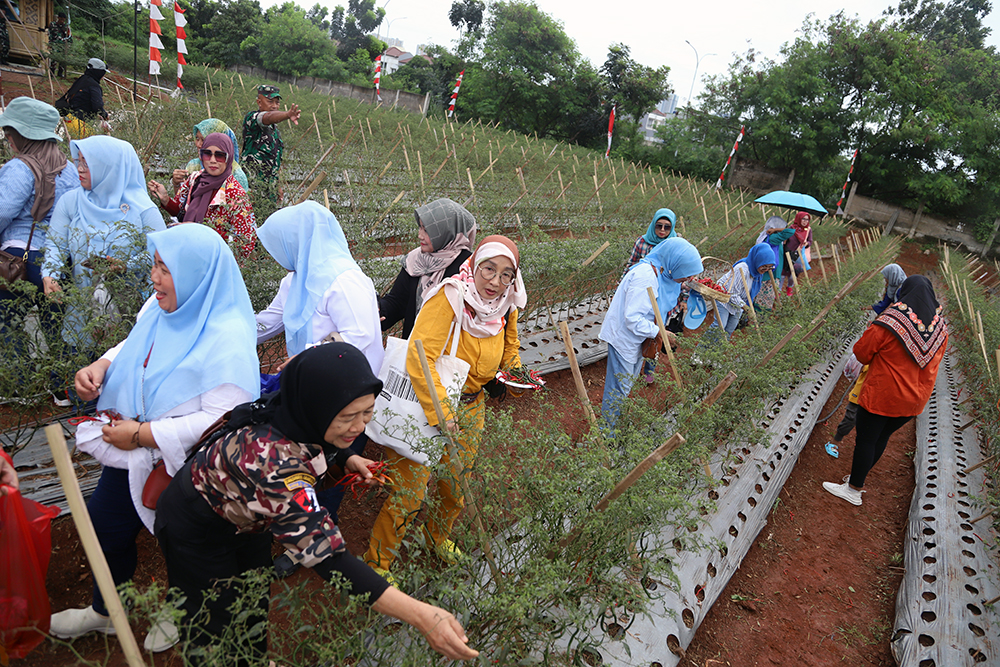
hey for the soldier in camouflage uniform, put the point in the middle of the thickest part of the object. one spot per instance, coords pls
(4, 40)
(60, 39)
(257, 479)
(262, 145)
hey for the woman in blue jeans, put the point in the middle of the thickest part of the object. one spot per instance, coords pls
(630, 319)
(30, 185)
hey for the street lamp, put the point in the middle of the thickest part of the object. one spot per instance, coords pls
(697, 61)
(390, 25)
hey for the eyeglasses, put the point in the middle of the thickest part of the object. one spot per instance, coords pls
(664, 227)
(207, 154)
(489, 273)
(81, 165)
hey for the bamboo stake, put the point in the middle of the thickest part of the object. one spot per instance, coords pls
(472, 186)
(420, 166)
(791, 276)
(312, 186)
(777, 348)
(207, 105)
(984, 462)
(319, 137)
(664, 334)
(91, 545)
(574, 366)
(774, 285)
(633, 476)
(382, 173)
(819, 260)
(836, 260)
(753, 313)
(326, 198)
(318, 163)
(457, 461)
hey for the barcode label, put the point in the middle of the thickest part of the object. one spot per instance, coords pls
(400, 385)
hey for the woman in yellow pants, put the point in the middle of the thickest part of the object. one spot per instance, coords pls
(484, 298)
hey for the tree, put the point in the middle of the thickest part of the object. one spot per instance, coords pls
(289, 42)
(922, 114)
(956, 24)
(468, 13)
(317, 16)
(231, 35)
(352, 28)
(635, 87)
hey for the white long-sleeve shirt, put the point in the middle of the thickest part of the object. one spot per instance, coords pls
(630, 318)
(349, 306)
(175, 433)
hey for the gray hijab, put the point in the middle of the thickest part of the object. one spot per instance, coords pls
(894, 277)
(451, 229)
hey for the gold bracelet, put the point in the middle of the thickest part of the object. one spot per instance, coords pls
(135, 436)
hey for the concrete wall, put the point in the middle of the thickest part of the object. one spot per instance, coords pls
(879, 213)
(391, 98)
(758, 178)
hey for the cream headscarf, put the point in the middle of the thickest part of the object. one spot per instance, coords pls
(481, 318)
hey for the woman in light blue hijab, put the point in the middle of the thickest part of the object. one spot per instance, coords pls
(190, 357)
(663, 226)
(630, 319)
(324, 293)
(100, 225)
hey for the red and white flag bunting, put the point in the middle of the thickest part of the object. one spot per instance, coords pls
(843, 191)
(736, 147)
(182, 50)
(611, 129)
(154, 36)
(454, 94)
(378, 75)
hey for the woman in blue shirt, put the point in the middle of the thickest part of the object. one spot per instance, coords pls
(30, 186)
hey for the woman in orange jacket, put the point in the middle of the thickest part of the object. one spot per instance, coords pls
(903, 348)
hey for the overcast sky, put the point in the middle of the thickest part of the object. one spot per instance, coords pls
(654, 31)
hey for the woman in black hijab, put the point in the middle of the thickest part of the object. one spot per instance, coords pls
(256, 479)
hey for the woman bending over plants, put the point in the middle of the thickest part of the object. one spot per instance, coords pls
(254, 480)
(630, 320)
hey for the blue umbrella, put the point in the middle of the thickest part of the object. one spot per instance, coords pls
(792, 200)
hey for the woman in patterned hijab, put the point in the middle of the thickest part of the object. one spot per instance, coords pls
(447, 234)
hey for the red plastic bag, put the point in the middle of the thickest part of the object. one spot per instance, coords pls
(25, 548)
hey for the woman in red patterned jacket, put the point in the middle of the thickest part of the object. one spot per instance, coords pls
(214, 197)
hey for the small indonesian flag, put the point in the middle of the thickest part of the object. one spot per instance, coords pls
(378, 75)
(843, 191)
(454, 94)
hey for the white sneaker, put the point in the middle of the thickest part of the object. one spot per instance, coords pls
(845, 492)
(162, 635)
(73, 623)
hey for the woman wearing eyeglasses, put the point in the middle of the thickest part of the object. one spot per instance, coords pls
(484, 298)
(662, 227)
(214, 197)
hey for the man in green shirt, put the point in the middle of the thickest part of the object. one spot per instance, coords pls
(262, 145)
(60, 39)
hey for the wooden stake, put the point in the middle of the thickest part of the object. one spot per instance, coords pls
(574, 366)
(791, 275)
(312, 186)
(420, 166)
(753, 313)
(836, 260)
(207, 105)
(326, 199)
(664, 334)
(457, 461)
(774, 286)
(319, 137)
(92, 545)
(777, 348)
(636, 473)
(819, 260)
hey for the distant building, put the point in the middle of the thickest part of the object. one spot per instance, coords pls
(670, 105)
(391, 59)
(648, 124)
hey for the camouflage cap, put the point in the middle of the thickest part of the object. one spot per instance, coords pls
(269, 91)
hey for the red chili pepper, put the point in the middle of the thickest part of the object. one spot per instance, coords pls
(354, 481)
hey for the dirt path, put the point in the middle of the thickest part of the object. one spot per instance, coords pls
(819, 585)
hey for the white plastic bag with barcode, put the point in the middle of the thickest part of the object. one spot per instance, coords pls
(399, 422)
